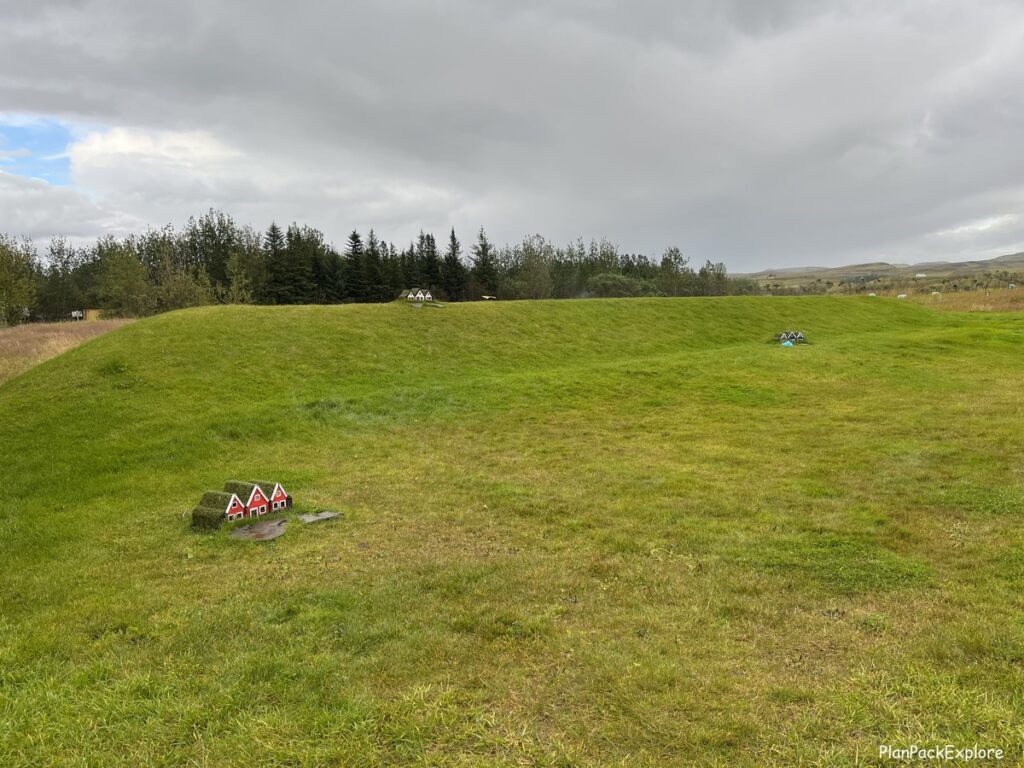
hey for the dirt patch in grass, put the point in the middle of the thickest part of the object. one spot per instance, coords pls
(25, 346)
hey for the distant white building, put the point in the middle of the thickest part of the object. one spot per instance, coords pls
(902, 296)
(427, 296)
(920, 274)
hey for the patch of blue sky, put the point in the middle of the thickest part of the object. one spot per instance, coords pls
(35, 148)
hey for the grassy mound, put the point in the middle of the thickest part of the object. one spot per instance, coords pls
(589, 532)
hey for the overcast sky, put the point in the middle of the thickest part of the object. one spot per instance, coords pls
(761, 133)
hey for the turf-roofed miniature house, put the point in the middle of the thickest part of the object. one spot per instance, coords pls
(240, 500)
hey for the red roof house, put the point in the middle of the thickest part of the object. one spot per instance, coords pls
(240, 500)
(279, 498)
(215, 506)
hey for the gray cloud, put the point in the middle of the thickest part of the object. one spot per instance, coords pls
(34, 206)
(764, 133)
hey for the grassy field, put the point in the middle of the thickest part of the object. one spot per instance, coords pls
(24, 346)
(620, 532)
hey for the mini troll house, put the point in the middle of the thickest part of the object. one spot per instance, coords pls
(239, 500)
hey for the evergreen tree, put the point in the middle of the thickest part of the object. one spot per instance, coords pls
(429, 263)
(376, 288)
(327, 274)
(338, 288)
(485, 268)
(303, 247)
(355, 268)
(453, 271)
(411, 268)
(394, 275)
(276, 288)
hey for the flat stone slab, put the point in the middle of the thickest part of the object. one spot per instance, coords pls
(318, 517)
(265, 531)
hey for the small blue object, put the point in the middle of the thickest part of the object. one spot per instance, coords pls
(787, 343)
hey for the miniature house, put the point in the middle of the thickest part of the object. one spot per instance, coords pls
(418, 294)
(239, 500)
(216, 506)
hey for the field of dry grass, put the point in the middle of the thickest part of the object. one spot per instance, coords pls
(997, 300)
(24, 346)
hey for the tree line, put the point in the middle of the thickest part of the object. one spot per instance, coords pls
(214, 260)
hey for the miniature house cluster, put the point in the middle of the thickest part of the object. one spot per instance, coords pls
(419, 295)
(795, 337)
(239, 500)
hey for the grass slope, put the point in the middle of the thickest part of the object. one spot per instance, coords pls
(577, 533)
(24, 346)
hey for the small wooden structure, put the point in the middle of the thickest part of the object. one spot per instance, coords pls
(259, 498)
(418, 294)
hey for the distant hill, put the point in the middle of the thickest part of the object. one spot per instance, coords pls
(881, 269)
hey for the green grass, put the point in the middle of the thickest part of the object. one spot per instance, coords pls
(623, 532)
